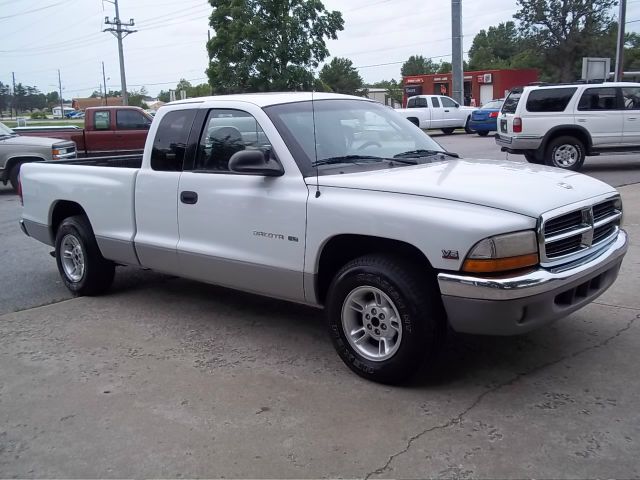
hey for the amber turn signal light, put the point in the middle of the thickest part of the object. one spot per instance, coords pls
(495, 265)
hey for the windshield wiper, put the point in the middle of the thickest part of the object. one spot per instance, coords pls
(425, 153)
(346, 159)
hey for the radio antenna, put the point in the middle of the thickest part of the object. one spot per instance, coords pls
(315, 143)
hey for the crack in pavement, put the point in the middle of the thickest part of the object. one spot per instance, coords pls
(459, 418)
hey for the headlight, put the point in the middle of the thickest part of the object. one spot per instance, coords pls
(502, 253)
(617, 204)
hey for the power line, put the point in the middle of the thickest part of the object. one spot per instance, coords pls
(31, 11)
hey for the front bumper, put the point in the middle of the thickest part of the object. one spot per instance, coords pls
(518, 304)
(517, 144)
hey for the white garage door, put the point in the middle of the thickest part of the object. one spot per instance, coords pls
(486, 94)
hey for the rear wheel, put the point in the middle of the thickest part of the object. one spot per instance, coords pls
(14, 176)
(483, 133)
(448, 131)
(384, 317)
(565, 152)
(82, 267)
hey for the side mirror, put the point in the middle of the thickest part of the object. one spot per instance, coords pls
(256, 162)
(457, 105)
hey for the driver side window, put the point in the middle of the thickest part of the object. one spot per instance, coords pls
(447, 102)
(225, 133)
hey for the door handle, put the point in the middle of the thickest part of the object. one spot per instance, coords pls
(188, 197)
(447, 111)
(631, 119)
(582, 120)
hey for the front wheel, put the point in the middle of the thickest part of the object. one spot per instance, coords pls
(565, 152)
(82, 267)
(467, 129)
(14, 176)
(384, 317)
(483, 133)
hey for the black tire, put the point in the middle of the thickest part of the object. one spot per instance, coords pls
(531, 157)
(466, 127)
(448, 131)
(414, 295)
(98, 272)
(14, 175)
(483, 133)
(564, 142)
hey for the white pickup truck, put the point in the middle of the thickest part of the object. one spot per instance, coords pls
(336, 202)
(437, 112)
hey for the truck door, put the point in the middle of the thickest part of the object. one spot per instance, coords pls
(156, 193)
(436, 113)
(631, 102)
(242, 231)
(131, 130)
(451, 116)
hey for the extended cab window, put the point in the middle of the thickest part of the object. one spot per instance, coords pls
(131, 120)
(102, 120)
(549, 99)
(599, 99)
(170, 142)
(435, 102)
(225, 133)
(411, 103)
(631, 97)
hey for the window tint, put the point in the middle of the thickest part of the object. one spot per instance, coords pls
(101, 120)
(447, 102)
(435, 102)
(511, 102)
(170, 143)
(411, 102)
(549, 99)
(631, 97)
(225, 133)
(131, 120)
(422, 102)
(599, 99)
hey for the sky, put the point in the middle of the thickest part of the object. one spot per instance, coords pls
(38, 37)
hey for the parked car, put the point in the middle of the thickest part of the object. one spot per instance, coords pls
(336, 202)
(561, 125)
(485, 119)
(107, 131)
(16, 150)
(437, 112)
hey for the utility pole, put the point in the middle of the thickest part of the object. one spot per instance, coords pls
(622, 17)
(61, 101)
(13, 96)
(120, 33)
(456, 55)
(104, 81)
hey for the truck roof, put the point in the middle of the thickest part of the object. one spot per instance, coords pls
(270, 98)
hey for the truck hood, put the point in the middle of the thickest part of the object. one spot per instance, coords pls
(516, 187)
(32, 141)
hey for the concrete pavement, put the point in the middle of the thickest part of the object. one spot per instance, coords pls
(180, 379)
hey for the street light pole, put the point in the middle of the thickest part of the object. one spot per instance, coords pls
(456, 56)
(620, 45)
(120, 33)
(61, 101)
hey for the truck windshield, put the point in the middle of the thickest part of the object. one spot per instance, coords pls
(6, 131)
(356, 132)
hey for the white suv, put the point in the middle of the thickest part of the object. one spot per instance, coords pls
(559, 125)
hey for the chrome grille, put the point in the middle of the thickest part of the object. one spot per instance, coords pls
(570, 235)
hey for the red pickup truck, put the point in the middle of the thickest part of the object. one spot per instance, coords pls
(107, 131)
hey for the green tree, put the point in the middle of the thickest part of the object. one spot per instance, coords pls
(341, 76)
(564, 31)
(5, 97)
(418, 65)
(444, 67)
(267, 45)
(495, 47)
(632, 52)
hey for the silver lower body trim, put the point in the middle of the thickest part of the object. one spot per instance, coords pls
(37, 230)
(518, 304)
(518, 143)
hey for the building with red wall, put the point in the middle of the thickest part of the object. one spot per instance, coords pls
(479, 87)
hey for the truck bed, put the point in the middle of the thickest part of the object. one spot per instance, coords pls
(115, 161)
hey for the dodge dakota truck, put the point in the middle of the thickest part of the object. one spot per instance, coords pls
(16, 150)
(107, 131)
(437, 112)
(336, 202)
